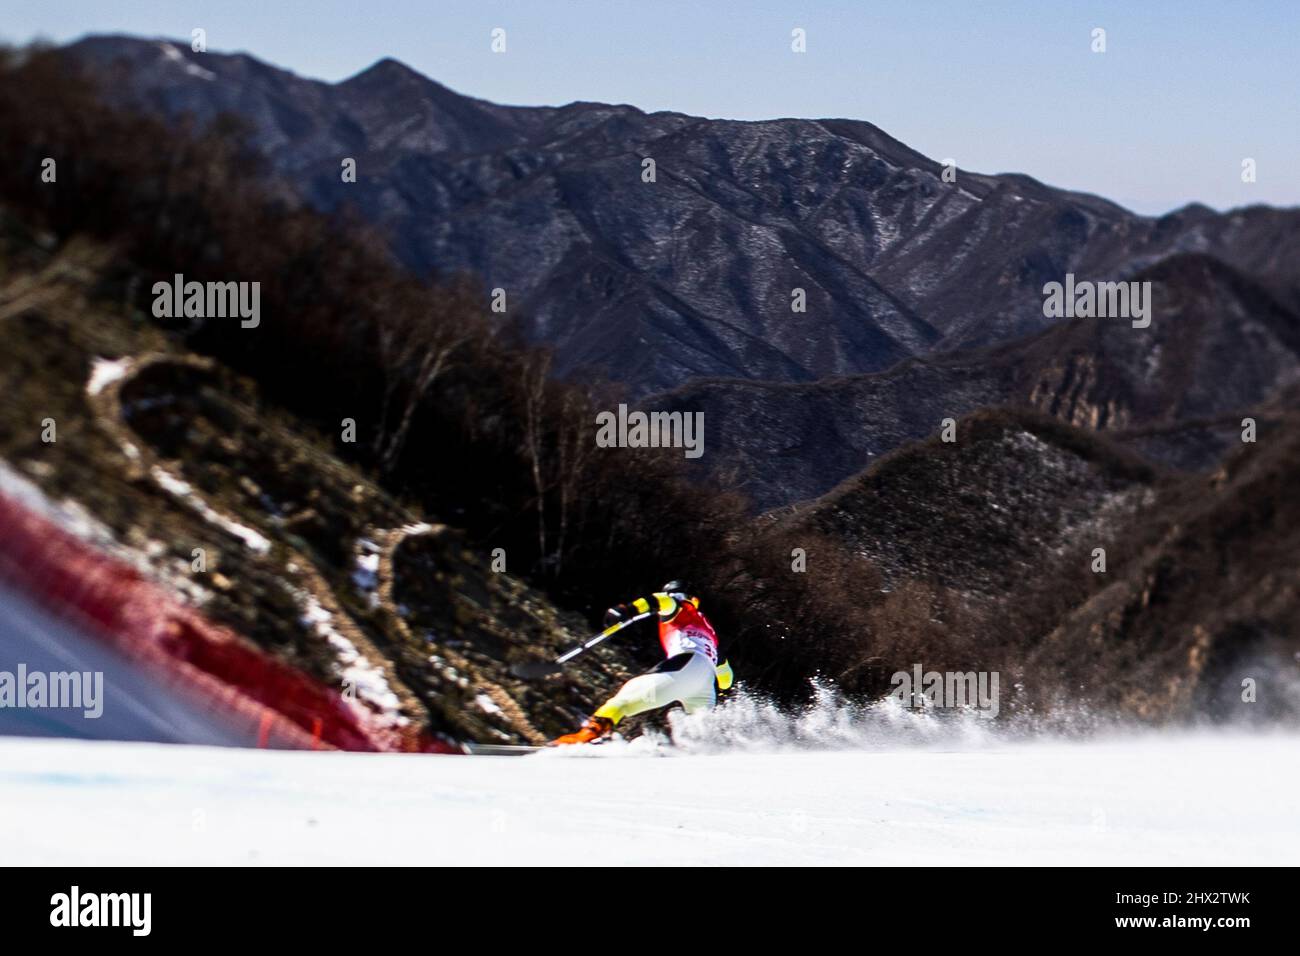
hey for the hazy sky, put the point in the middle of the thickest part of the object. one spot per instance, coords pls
(1184, 92)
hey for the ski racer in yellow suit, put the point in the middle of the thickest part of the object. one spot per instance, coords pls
(689, 674)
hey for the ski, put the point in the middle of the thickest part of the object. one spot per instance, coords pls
(499, 750)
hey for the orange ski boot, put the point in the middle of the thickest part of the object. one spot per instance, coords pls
(594, 729)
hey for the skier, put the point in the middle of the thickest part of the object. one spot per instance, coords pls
(689, 674)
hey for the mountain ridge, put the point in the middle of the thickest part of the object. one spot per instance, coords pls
(923, 298)
(654, 284)
(1225, 346)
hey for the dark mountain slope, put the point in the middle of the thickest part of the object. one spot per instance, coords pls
(203, 433)
(660, 283)
(1218, 344)
(983, 550)
(1209, 601)
(982, 513)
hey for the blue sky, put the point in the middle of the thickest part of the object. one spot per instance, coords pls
(1184, 92)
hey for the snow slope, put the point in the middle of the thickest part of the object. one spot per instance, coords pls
(1151, 799)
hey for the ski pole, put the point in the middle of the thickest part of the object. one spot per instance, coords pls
(543, 668)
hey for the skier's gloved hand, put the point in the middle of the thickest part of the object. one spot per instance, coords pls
(726, 677)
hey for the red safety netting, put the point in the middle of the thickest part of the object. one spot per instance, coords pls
(214, 667)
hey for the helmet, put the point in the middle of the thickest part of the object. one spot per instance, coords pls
(676, 589)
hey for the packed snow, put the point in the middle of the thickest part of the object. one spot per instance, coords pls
(253, 540)
(1197, 798)
(367, 680)
(366, 574)
(105, 372)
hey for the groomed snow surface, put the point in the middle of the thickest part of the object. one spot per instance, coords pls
(1171, 799)
(748, 783)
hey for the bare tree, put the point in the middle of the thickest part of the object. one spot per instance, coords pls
(575, 441)
(535, 372)
(416, 348)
